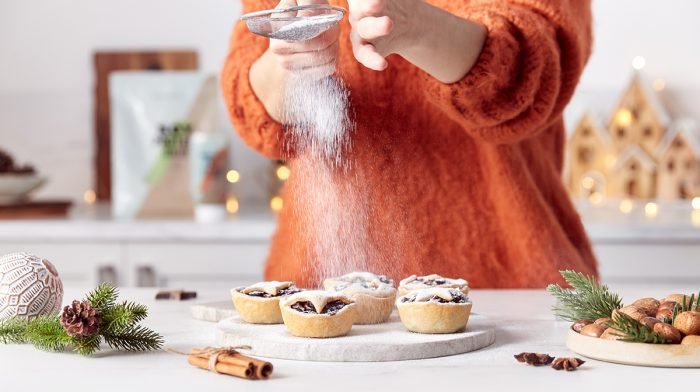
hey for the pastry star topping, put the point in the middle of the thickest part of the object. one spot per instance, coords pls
(435, 294)
(317, 302)
(270, 289)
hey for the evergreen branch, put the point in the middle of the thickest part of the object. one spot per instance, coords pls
(46, 333)
(88, 345)
(588, 300)
(135, 338)
(122, 316)
(12, 331)
(103, 297)
(633, 330)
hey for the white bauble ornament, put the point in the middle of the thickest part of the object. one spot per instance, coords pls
(29, 287)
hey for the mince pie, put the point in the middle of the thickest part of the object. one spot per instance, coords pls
(414, 282)
(260, 303)
(373, 294)
(434, 310)
(318, 314)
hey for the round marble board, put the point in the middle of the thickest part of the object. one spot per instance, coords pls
(365, 343)
(639, 354)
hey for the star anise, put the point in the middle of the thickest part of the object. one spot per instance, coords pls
(568, 364)
(534, 359)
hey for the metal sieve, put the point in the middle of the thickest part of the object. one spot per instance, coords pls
(298, 23)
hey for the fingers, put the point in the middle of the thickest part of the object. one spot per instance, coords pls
(299, 61)
(367, 54)
(371, 27)
(363, 8)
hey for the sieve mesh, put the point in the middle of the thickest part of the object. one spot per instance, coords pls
(299, 23)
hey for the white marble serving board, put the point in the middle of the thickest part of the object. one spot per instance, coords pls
(637, 354)
(365, 343)
(213, 311)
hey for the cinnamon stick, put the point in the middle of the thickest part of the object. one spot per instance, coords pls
(233, 362)
(263, 369)
(224, 368)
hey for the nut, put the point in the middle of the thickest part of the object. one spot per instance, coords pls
(691, 340)
(678, 298)
(631, 311)
(688, 323)
(648, 306)
(671, 334)
(667, 305)
(603, 321)
(580, 324)
(649, 322)
(664, 313)
(612, 334)
(593, 330)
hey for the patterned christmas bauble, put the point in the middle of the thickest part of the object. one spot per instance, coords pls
(29, 287)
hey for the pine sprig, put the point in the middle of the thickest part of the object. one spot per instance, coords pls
(46, 333)
(123, 316)
(135, 338)
(103, 297)
(118, 328)
(633, 330)
(13, 331)
(588, 300)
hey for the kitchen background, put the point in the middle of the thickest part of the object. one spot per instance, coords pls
(47, 85)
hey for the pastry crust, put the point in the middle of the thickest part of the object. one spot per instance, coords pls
(426, 316)
(374, 299)
(413, 283)
(260, 310)
(314, 325)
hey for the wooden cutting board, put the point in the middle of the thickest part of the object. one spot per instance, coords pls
(105, 64)
(56, 209)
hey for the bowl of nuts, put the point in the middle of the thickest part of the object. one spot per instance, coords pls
(661, 332)
(16, 182)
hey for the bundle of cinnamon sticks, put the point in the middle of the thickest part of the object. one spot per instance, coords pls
(231, 362)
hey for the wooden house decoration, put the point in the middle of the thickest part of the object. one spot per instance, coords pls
(639, 154)
(679, 162)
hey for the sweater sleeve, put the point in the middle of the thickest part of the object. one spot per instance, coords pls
(527, 71)
(247, 113)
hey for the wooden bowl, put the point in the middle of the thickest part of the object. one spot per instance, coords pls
(637, 354)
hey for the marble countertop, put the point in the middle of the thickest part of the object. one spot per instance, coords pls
(522, 317)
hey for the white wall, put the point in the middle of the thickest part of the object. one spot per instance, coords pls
(46, 75)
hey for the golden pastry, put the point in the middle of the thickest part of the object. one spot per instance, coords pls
(434, 310)
(373, 294)
(318, 314)
(260, 303)
(414, 282)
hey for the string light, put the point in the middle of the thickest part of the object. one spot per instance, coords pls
(623, 118)
(276, 204)
(659, 85)
(696, 203)
(695, 217)
(626, 206)
(232, 205)
(595, 198)
(638, 63)
(233, 176)
(89, 197)
(283, 172)
(588, 183)
(651, 210)
(610, 161)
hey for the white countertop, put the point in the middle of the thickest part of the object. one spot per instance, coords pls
(523, 319)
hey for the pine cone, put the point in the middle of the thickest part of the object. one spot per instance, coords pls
(6, 162)
(80, 319)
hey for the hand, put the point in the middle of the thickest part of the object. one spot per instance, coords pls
(380, 28)
(316, 56)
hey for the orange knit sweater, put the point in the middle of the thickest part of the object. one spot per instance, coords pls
(464, 179)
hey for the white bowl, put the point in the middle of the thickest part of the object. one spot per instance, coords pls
(16, 187)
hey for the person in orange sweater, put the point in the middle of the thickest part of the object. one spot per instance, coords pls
(458, 140)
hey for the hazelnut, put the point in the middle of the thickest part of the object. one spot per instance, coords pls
(688, 323)
(612, 334)
(671, 334)
(691, 340)
(664, 313)
(631, 311)
(649, 322)
(593, 330)
(602, 321)
(579, 324)
(667, 305)
(678, 298)
(648, 306)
